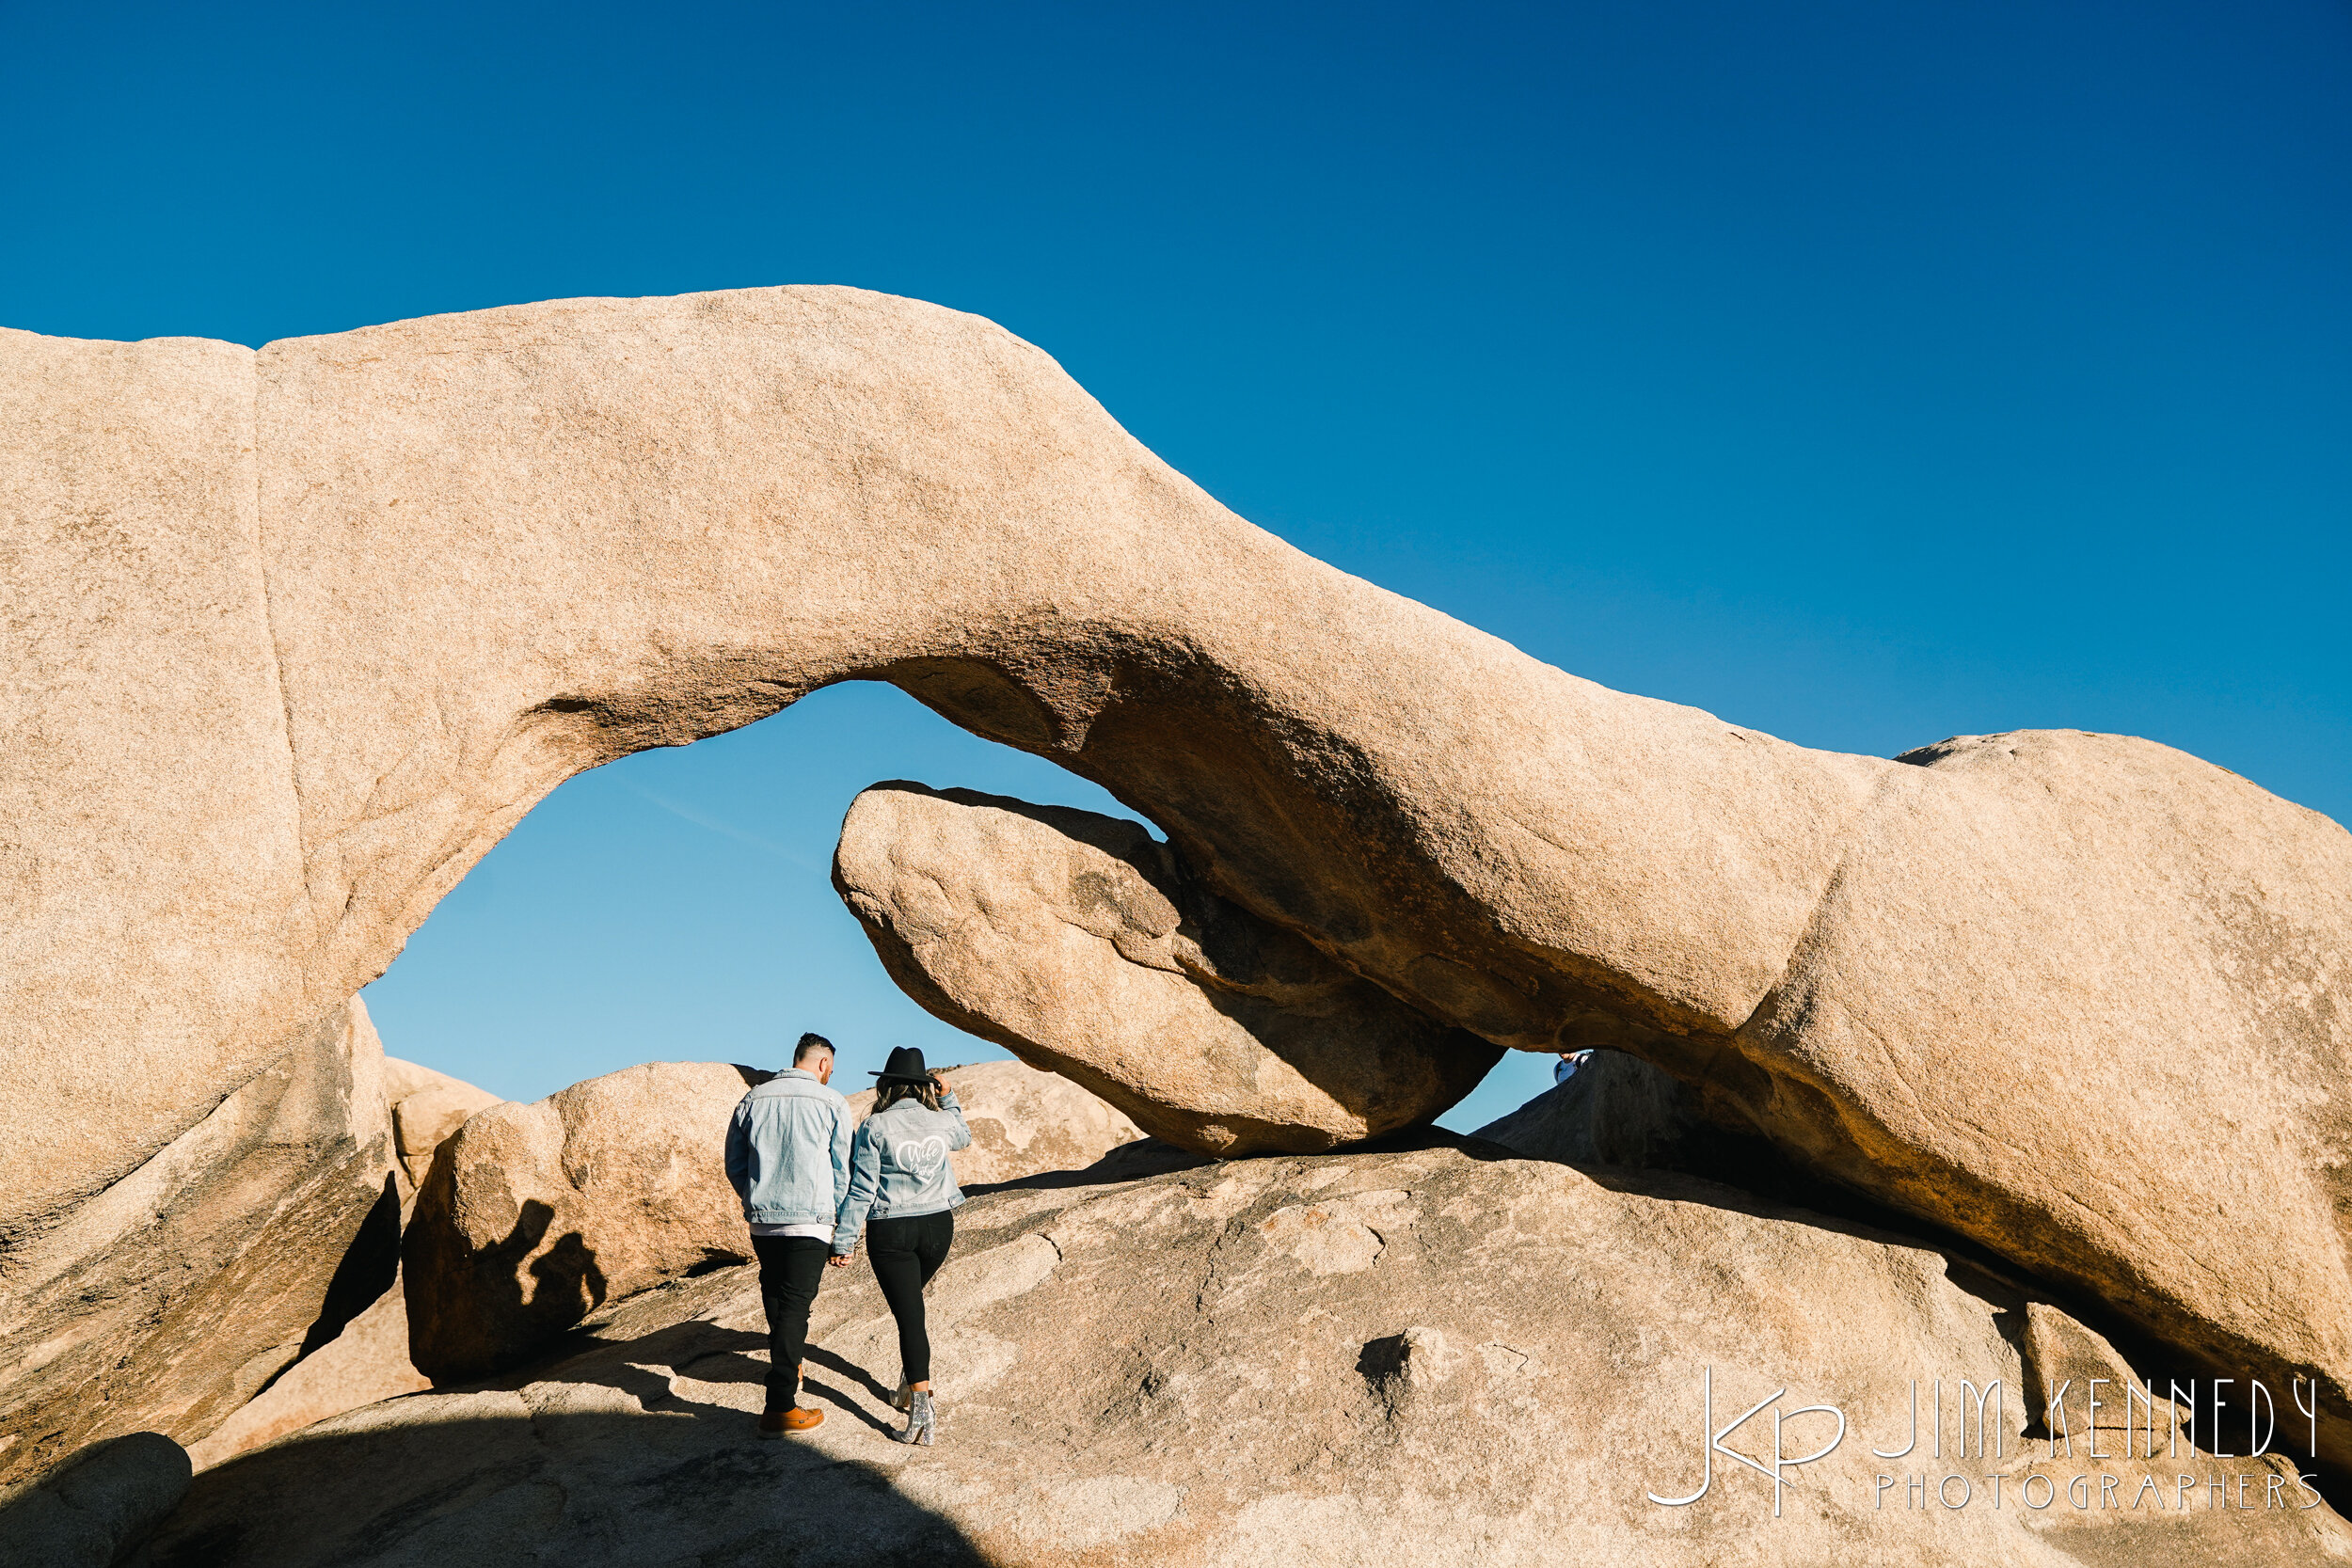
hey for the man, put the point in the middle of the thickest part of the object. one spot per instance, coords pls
(789, 1160)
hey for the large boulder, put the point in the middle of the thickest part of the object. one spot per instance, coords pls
(306, 629)
(533, 1216)
(169, 1300)
(1420, 1355)
(1024, 1123)
(1081, 945)
(368, 1359)
(427, 1106)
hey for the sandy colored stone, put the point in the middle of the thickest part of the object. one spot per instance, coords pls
(1084, 947)
(1024, 1123)
(533, 1216)
(1169, 1372)
(98, 1507)
(366, 1363)
(427, 1106)
(1614, 1110)
(153, 945)
(1981, 984)
(169, 1300)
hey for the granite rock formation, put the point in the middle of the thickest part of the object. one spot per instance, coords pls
(368, 1360)
(246, 1241)
(427, 1106)
(96, 1509)
(533, 1216)
(299, 632)
(1084, 947)
(1417, 1356)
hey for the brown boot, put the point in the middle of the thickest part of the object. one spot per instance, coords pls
(798, 1419)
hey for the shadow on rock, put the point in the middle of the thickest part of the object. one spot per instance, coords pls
(682, 1484)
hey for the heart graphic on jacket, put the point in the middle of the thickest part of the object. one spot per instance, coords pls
(921, 1155)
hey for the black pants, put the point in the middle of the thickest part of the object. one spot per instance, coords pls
(906, 1254)
(790, 1269)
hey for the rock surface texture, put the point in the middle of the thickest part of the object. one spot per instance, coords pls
(97, 1508)
(1416, 1355)
(427, 1106)
(299, 632)
(1616, 1109)
(368, 1360)
(1081, 945)
(366, 1363)
(534, 1215)
(1024, 1123)
(252, 1238)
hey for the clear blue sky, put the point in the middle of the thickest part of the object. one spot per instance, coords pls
(1863, 372)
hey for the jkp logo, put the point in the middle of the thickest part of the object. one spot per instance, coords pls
(2179, 1418)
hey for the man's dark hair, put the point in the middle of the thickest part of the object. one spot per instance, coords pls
(809, 1046)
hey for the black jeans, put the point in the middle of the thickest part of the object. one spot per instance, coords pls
(906, 1254)
(790, 1269)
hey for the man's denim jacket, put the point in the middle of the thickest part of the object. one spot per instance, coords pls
(789, 1150)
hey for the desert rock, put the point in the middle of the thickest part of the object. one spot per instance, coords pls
(1024, 1122)
(368, 1359)
(169, 1301)
(96, 1509)
(367, 1362)
(306, 629)
(1614, 1110)
(533, 1216)
(1417, 1356)
(1081, 945)
(427, 1106)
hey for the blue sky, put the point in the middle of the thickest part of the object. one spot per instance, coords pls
(1866, 374)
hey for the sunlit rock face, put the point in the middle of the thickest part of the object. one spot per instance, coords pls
(299, 633)
(1420, 1356)
(534, 1215)
(1081, 945)
(246, 1243)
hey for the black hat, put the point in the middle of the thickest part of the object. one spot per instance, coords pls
(904, 1066)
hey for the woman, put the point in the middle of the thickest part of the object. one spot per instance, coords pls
(900, 1178)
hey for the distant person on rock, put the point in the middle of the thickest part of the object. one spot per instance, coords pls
(1565, 1069)
(789, 1160)
(900, 1178)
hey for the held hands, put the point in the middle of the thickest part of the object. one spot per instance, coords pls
(839, 1260)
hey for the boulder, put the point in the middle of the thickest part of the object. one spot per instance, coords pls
(427, 1106)
(1084, 947)
(1424, 1355)
(168, 1300)
(306, 629)
(98, 1507)
(1024, 1123)
(1614, 1110)
(533, 1216)
(367, 1362)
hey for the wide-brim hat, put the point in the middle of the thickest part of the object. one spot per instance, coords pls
(904, 1066)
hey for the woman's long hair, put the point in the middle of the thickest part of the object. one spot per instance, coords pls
(925, 1094)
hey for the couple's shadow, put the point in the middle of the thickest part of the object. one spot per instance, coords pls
(704, 1353)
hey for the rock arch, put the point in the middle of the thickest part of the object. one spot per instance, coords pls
(300, 632)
